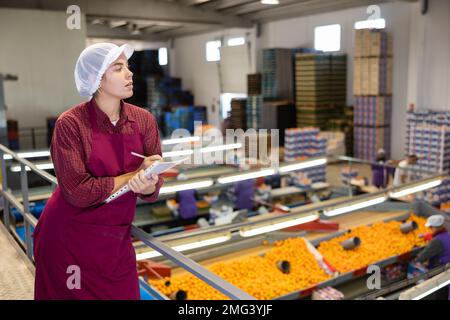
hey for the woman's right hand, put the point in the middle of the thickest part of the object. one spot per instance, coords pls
(149, 161)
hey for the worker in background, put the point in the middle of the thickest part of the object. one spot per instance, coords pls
(379, 171)
(187, 202)
(244, 192)
(82, 246)
(403, 173)
(437, 251)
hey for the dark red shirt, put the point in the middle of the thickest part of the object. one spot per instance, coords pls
(72, 144)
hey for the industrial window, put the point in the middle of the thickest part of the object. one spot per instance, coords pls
(162, 56)
(371, 24)
(225, 102)
(327, 38)
(213, 50)
(236, 41)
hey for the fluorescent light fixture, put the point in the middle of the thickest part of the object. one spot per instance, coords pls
(42, 166)
(371, 24)
(181, 140)
(418, 188)
(246, 176)
(187, 186)
(303, 165)
(327, 38)
(355, 206)
(270, 2)
(232, 42)
(221, 148)
(202, 150)
(185, 247)
(213, 50)
(31, 154)
(427, 293)
(177, 153)
(253, 231)
(162, 56)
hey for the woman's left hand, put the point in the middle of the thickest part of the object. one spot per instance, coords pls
(140, 184)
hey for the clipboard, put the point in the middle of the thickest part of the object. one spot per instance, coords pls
(157, 167)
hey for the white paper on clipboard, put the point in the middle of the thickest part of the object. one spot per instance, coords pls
(156, 168)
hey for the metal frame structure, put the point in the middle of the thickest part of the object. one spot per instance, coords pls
(162, 243)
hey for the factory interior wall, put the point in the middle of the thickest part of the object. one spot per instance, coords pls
(429, 64)
(188, 61)
(33, 51)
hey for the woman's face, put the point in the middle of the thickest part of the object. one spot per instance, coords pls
(118, 79)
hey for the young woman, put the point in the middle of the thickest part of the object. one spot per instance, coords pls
(82, 245)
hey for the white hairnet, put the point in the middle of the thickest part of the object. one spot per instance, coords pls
(435, 221)
(93, 62)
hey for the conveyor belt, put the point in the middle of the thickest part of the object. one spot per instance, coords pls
(16, 277)
(345, 222)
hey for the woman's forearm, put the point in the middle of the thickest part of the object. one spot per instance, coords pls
(122, 180)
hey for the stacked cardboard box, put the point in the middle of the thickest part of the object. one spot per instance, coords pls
(320, 81)
(238, 117)
(372, 89)
(428, 137)
(303, 143)
(372, 110)
(335, 142)
(254, 84)
(372, 42)
(368, 139)
(253, 111)
(277, 74)
(372, 76)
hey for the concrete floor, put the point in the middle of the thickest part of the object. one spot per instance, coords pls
(16, 275)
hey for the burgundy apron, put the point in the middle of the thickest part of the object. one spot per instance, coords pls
(96, 240)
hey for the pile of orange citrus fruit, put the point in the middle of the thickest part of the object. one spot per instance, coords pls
(256, 275)
(260, 277)
(378, 242)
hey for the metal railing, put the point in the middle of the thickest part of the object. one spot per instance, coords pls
(30, 221)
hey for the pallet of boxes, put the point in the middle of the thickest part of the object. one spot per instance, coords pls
(428, 137)
(320, 88)
(372, 89)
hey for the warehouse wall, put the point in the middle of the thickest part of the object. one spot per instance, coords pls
(299, 32)
(429, 82)
(188, 61)
(44, 66)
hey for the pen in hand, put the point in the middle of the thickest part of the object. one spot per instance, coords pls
(138, 155)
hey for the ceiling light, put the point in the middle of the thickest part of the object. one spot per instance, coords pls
(270, 2)
(410, 190)
(355, 206)
(186, 186)
(246, 176)
(253, 231)
(303, 165)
